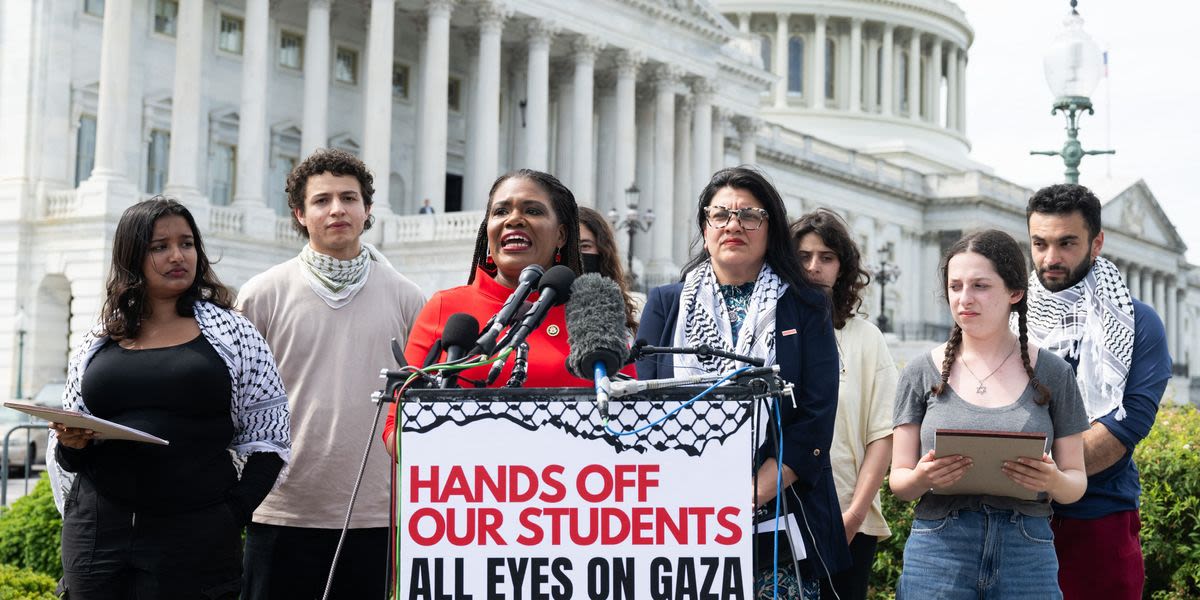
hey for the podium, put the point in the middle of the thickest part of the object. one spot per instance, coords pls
(526, 493)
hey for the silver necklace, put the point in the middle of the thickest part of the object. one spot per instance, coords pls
(982, 389)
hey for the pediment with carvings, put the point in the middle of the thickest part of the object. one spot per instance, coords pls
(1137, 212)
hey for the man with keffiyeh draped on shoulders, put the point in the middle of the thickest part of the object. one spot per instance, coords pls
(1081, 309)
(328, 315)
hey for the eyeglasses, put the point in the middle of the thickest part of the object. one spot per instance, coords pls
(750, 218)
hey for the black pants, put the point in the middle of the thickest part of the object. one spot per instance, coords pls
(110, 552)
(292, 563)
(851, 584)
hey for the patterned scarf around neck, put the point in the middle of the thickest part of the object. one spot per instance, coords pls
(704, 319)
(1092, 322)
(337, 281)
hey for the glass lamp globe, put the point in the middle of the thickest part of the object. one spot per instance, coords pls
(1073, 63)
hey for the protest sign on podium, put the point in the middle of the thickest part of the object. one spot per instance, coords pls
(524, 493)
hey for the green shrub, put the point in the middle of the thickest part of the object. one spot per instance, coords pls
(31, 532)
(890, 555)
(25, 584)
(1169, 461)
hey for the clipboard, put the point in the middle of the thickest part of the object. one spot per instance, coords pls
(988, 451)
(105, 430)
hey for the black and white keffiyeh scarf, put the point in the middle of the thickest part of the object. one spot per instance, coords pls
(704, 320)
(1092, 322)
(337, 281)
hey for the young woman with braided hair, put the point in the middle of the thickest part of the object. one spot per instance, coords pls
(983, 546)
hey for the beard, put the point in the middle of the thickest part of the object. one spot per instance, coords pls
(1073, 277)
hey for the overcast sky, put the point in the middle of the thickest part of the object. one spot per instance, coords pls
(1148, 110)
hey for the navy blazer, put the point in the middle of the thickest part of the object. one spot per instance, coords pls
(806, 352)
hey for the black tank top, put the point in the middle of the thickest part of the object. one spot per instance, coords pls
(179, 393)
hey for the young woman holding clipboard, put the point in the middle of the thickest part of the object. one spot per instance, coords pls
(986, 378)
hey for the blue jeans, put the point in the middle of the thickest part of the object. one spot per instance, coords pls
(988, 553)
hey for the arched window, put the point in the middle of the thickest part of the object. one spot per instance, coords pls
(796, 65)
(765, 48)
(830, 69)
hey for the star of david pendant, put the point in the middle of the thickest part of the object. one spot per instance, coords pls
(981, 390)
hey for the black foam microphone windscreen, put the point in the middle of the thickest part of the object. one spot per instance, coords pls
(459, 334)
(596, 326)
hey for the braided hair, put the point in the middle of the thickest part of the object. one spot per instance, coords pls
(1009, 262)
(563, 202)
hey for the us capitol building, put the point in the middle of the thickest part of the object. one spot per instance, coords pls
(856, 105)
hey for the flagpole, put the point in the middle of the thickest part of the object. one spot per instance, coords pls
(1107, 117)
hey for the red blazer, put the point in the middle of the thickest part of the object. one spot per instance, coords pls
(481, 299)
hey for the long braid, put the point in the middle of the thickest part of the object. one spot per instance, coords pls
(481, 249)
(952, 347)
(1023, 339)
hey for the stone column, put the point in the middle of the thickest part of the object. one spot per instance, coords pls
(887, 83)
(935, 96)
(1133, 279)
(377, 101)
(252, 117)
(914, 76)
(17, 64)
(1147, 292)
(187, 123)
(625, 169)
(1172, 317)
(484, 149)
(684, 109)
(747, 128)
(666, 84)
(114, 82)
(431, 130)
(563, 135)
(642, 246)
(702, 136)
(720, 119)
(818, 52)
(315, 129)
(962, 91)
(582, 118)
(952, 84)
(1160, 295)
(781, 59)
(855, 103)
(537, 97)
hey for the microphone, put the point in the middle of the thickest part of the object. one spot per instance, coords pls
(553, 289)
(508, 311)
(458, 335)
(595, 315)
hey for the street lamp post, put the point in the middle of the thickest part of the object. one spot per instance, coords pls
(884, 273)
(632, 222)
(20, 323)
(1073, 67)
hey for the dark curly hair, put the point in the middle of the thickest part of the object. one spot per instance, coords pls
(610, 258)
(563, 202)
(851, 277)
(1008, 259)
(328, 160)
(781, 254)
(125, 303)
(1064, 199)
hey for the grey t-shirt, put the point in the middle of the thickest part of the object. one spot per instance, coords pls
(1064, 415)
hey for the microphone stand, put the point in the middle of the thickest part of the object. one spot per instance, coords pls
(520, 370)
(703, 351)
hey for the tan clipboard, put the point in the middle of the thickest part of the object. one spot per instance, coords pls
(106, 430)
(988, 450)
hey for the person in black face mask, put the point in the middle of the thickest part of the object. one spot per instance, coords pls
(598, 250)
